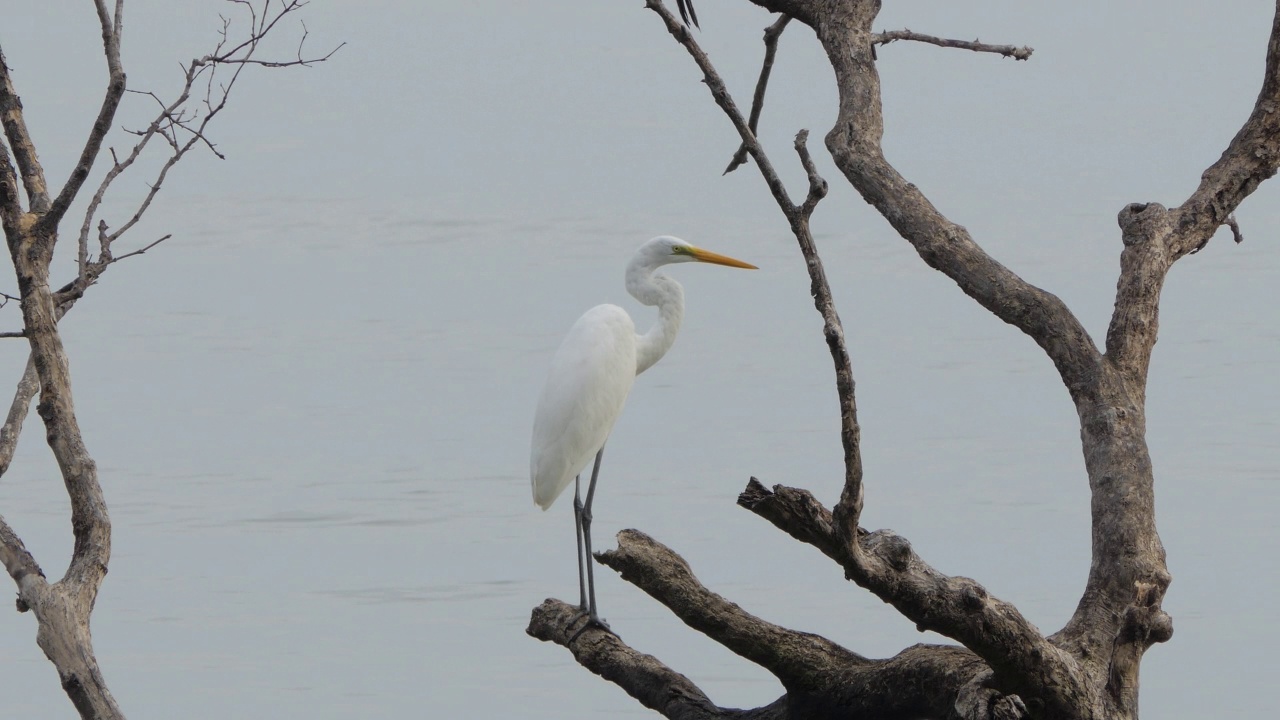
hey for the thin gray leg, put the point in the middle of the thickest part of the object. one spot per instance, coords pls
(577, 527)
(586, 533)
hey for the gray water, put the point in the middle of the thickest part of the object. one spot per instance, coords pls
(311, 408)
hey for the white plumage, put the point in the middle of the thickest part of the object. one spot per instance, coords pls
(591, 376)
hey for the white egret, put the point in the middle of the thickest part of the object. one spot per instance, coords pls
(590, 377)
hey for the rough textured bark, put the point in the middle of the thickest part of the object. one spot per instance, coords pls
(1007, 668)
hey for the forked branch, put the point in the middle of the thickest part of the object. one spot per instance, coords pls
(822, 679)
(1155, 238)
(183, 125)
(798, 218)
(771, 35)
(111, 24)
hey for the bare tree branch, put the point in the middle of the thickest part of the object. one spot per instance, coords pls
(798, 217)
(20, 565)
(183, 127)
(111, 29)
(888, 36)
(1155, 238)
(11, 214)
(1120, 611)
(24, 151)
(771, 35)
(790, 655)
(28, 386)
(958, 607)
(822, 679)
(643, 677)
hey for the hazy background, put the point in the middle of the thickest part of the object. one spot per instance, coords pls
(311, 407)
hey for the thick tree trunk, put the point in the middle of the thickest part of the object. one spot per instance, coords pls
(62, 609)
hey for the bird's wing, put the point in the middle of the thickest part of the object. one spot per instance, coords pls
(590, 377)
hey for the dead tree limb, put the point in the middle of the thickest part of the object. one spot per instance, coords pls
(1010, 51)
(62, 608)
(771, 35)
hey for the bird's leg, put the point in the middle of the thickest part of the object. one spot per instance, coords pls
(586, 533)
(577, 527)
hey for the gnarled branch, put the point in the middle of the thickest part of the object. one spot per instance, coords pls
(823, 680)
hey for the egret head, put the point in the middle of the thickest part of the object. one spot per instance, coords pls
(667, 249)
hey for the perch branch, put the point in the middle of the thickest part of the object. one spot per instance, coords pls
(771, 35)
(1011, 51)
(822, 679)
(643, 677)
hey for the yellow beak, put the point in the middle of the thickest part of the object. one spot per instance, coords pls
(707, 256)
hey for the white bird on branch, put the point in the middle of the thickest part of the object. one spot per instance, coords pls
(590, 377)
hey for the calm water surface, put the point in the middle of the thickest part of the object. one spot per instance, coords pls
(313, 431)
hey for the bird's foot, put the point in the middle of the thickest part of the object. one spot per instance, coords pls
(591, 620)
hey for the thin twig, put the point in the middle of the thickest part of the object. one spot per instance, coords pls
(141, 250)
(850, 506)
(888, 36)
(771, 35)
(183, 126)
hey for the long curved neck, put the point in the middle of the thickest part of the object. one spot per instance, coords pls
(652, 288)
